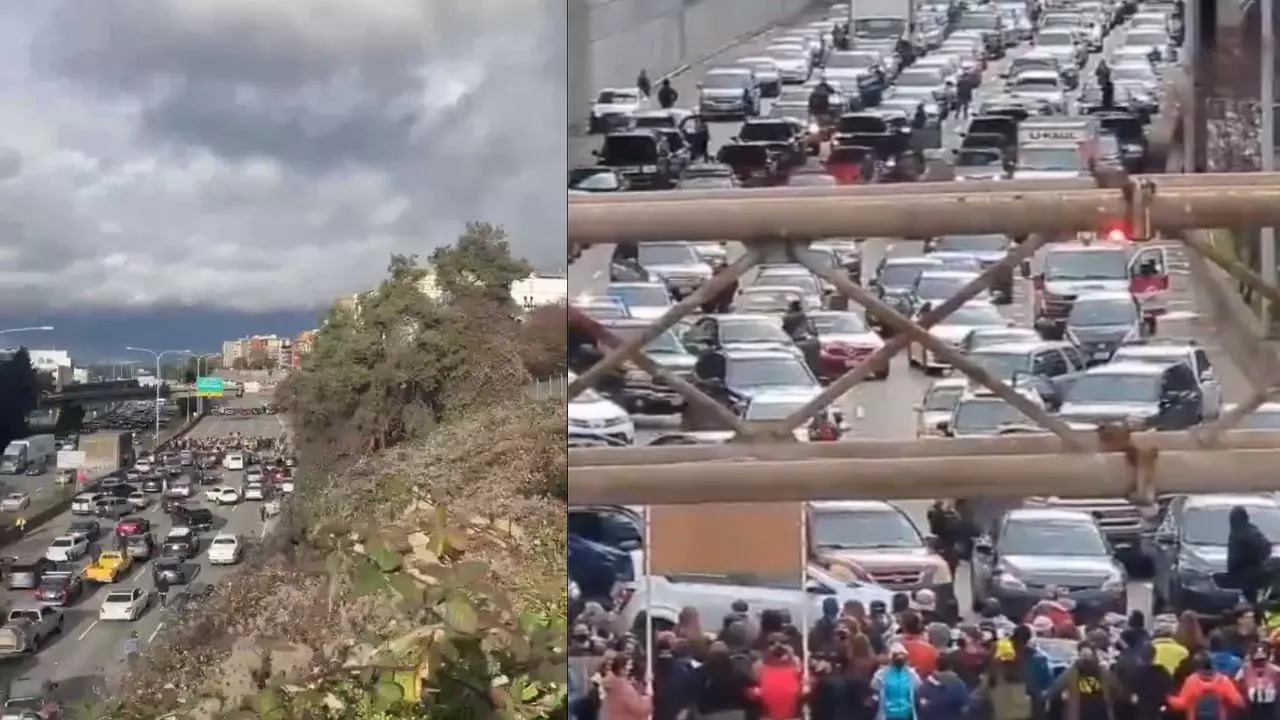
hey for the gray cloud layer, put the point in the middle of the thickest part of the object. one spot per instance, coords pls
(268, 155)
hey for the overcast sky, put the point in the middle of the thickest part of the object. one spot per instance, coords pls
(268, 154)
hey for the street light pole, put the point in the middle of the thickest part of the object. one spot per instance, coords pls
(1267, 96)
(157, 355)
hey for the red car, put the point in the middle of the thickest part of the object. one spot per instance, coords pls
(844, 341)
(133, 526)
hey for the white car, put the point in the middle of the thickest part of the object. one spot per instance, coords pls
(82, 504)
(225, 549)
(15, 502)
(234, 461)
(139, 499)
(124, 605)
(286, 486)
(66, 548)
(143, 465)
(227, 496)
(614, 107)
(256, 491)
(593, 419)
(952, 330)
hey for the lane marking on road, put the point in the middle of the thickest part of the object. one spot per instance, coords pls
(154, 633)
(92, 625)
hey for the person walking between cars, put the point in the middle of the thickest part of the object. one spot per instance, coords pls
(643, 84)
(1247, 551)
(162, 589)
(667, 95)
(21, 524)
(964, 96)
(132, 648)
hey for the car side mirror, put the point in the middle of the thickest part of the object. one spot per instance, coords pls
(917, 408)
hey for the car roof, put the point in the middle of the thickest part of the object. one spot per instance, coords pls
(1023, 346)
(1095, 247)
(951, 274)
(948, 383)
(1123, 295)
(1123, 367)
(1146, 350)
(1230, 499)
(180, 531)
(912, 260)
(745, 317)
(854, 506)
(1036, 514)
(655, 284)
(758, 354)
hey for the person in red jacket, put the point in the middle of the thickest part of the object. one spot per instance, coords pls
(1207, 694)
(780, 681)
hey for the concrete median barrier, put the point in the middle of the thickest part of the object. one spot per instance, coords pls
(51, 506)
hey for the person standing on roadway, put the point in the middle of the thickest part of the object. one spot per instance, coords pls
(132, 648)
(643, 84)
(21, 524)
(964, 96)
(667, 95)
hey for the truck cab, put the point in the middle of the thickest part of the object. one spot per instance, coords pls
(110, 566)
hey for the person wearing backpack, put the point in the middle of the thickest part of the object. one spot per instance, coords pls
(1207, 694)
(897, 686)
(943, 695)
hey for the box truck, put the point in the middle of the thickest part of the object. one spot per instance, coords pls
(37, 452)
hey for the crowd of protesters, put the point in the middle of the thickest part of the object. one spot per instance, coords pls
(896, 663)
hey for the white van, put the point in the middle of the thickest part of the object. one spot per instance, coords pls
(234, 461)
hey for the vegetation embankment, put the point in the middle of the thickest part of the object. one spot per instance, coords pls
(420, 569)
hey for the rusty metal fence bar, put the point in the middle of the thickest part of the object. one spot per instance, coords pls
(1111, 462)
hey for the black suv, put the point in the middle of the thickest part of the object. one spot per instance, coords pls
(640, 156)
(1152, 397)
(194, 518)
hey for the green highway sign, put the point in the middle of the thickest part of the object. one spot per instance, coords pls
(209, 387)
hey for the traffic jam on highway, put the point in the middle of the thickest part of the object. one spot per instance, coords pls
(1095, 329)
(88, 589)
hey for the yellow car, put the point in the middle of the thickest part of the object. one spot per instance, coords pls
(110, 566)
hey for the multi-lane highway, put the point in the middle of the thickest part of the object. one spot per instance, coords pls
(88, 650)
(885, 409)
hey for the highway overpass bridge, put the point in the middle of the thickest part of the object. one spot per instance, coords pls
(103, 392)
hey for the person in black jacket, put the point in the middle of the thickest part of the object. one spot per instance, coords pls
(1247, 551)
(721, 690)
(672, 679)
(667, 95)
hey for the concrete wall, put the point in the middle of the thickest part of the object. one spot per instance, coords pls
(611, 40)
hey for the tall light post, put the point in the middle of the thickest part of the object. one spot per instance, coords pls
(1267, 96)
(199, 358)
(157, 356)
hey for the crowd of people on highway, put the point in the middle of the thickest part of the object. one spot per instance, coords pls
(902, 662)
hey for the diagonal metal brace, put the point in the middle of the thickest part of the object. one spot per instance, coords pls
(690, 393)
(630, 348)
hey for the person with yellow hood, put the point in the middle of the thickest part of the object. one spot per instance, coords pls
(1170, 654)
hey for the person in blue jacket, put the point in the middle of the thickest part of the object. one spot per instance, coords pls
(1221, 657)
(943, 696)
(1033, 665)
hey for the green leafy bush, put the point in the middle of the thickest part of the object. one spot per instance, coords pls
(420, 570)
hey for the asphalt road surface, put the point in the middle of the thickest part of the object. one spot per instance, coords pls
(883, 409)
(88, 650)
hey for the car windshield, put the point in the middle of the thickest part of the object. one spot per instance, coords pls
(1001, 364)
(889, 28)
(1021, 65)
(655, 295)
(613, 97)
(601, 181)
(1044, 536)
(1145, 38)
(725, 80)
(922, 78)
(974, 315)
(799, 111)
(629, 150)
(1261, 420)
(942, 399)
(1114, 389)
(1085, 313)
(706, 183)
(1210, 525)
(939, 287)
(668, 254)
(667, 342)
(1133, 72)
(224, 541)
(765, 372)
(62, 542)
(118, 597)
(862, 529)
(985, 416)
(972, 243)
(773, 409)
(839, 323)
(1035, 83)
(1086, 266)
(806, 284)
(766, 132)
(903, 274)
(973, 21)
(978, 158)
(752, 330)
(1057, 39)
(1048, 159)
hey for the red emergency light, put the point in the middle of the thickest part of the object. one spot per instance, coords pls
(1116, 235)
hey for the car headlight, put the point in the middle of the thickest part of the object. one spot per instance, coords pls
(1115, 583)
(1009, 582)
(1195, 577)
(813, 128)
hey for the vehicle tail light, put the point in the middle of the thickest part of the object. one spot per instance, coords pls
(837, 349)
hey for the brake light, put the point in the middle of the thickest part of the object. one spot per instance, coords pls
(1117, 235)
